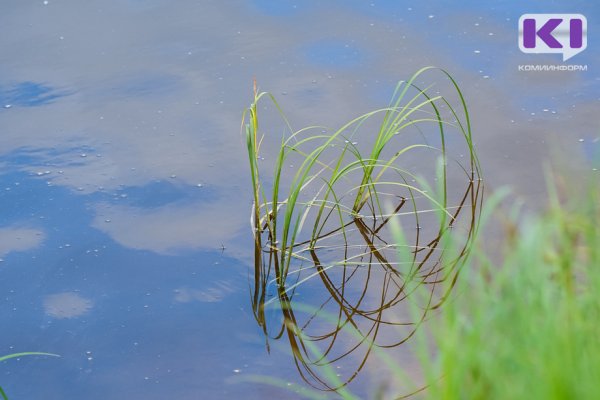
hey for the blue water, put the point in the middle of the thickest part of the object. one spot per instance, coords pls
(125, 244)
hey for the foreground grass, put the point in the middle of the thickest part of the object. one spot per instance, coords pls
(526, 328)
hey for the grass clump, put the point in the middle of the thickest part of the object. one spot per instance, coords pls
(323, 227)
(526, 327)
(350, 183)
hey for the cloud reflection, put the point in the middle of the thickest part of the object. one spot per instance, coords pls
(215, 293)
(173, 227)
(19, 239)
(66, 305)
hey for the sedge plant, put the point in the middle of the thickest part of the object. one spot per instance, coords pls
(282, 214)
(338, 202)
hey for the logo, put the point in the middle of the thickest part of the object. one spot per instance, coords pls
(553, 33)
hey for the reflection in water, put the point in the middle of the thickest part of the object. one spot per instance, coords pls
(29, 94)
(66, 305)
(342, 288)
(111, 121)
(213, 294)
(19, 239)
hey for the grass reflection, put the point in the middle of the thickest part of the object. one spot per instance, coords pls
(330, 275)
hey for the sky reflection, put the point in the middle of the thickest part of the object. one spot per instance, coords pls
(124, 231)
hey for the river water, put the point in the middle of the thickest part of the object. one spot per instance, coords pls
(125, 241)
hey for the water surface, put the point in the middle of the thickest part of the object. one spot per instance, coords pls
(125, 244)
